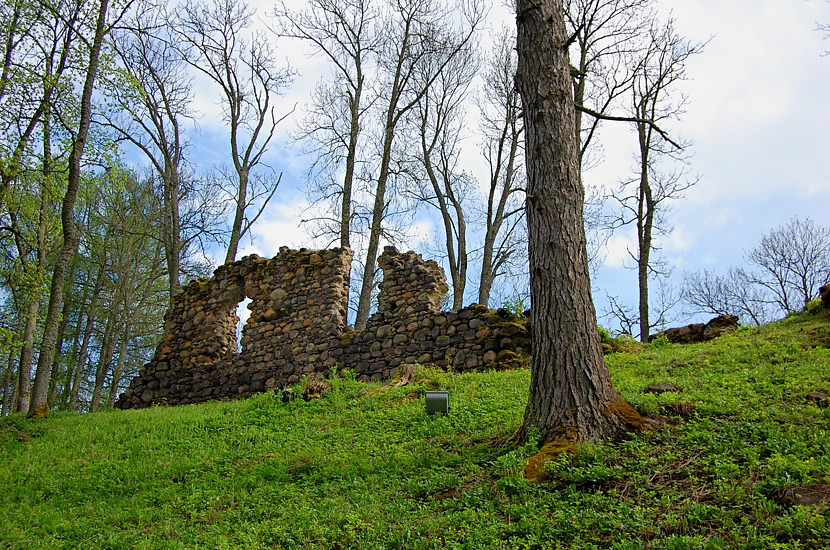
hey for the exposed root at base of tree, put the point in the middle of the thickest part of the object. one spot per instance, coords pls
(623, 420)
(38, 412)
(632, 421)
(535, 470)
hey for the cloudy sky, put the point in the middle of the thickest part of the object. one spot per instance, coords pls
(758, 117)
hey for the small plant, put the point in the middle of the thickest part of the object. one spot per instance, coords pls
(514, 306)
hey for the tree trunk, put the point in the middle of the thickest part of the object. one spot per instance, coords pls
(378, 211)
(7, 386)
(171, 227)
(56, 362)
(571, 395)
(119, 365)
(645, 225)
(104, 360)
(351, 158)
(239, 215)
(24, 374)
(89, 325)
(39, 405)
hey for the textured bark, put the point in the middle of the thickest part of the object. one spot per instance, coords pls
(24, 374)
(571, 395)
(39, 405)
(7, 386)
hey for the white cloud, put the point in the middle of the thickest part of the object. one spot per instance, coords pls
(617, 250)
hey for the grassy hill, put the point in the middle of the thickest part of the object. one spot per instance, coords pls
(364, 467)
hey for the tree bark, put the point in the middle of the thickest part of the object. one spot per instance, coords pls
(7, 385)
(24, 374)
(645, 225)
(39, 405)
(571, 395)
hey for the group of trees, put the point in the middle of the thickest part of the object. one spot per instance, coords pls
(386, 131)
(783, 274)
(95, 246)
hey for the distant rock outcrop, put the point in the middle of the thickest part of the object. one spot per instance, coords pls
(824, 292)
(699, 332)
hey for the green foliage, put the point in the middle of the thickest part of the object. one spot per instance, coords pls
(365, 467)
(514, 306)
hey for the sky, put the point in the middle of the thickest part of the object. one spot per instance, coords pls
(757, 117)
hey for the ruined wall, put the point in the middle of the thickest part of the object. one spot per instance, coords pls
(297, 327)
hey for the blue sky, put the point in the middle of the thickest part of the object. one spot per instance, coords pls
(758, 117)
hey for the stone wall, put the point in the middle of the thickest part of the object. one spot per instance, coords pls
(297, 327)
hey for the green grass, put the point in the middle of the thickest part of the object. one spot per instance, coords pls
(368, 469)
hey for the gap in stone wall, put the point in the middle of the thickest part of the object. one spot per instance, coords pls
(242, 314)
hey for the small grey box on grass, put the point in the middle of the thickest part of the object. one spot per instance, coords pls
(438, 402)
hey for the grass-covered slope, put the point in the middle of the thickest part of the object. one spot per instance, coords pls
(366, 468)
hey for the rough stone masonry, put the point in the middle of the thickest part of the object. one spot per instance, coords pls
(297, 327)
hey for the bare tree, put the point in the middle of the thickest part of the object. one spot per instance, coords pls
(221, 45)
(606, 37)
(416, 33)
(438, 121)
(643, 200)
(149, 107)
(502, 126)
(794, 261)
(347, 34)
(732, 294)
(571, 395)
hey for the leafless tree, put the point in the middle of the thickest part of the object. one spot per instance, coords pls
(662, 308)
(502, 148)
(732, 294)
(151, 99)
(606, 37)
(220, 43)
(643, 199)
(794, 261)
(437, 125)
(345, 32)
(415, 33)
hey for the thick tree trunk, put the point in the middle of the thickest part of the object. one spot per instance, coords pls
(571, 395)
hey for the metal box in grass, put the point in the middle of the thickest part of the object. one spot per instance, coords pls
(438, 402)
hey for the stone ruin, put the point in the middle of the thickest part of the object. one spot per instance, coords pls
(297, 327)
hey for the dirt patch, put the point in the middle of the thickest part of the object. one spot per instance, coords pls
(817, 338)
(806, 495)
